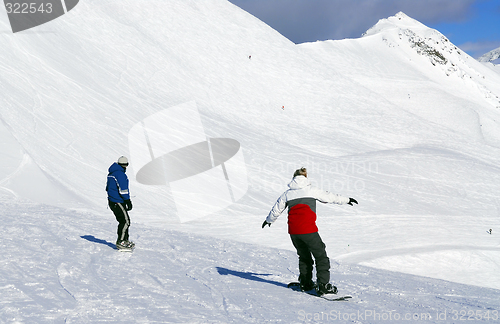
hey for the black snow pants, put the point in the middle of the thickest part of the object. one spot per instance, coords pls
(309, 245)
(123, 219)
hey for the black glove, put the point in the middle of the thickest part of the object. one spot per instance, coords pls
(128, 205)
(352, 200)
(266, 223)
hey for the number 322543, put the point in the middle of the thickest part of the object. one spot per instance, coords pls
(26, 8)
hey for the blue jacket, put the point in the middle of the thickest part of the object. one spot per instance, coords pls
(117, 186)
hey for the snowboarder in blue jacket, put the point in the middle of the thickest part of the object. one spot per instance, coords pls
(119, 200)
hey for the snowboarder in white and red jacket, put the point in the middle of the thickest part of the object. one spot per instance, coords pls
(301, 202)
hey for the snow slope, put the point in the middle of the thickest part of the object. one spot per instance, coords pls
(400, 119)
(64, 269)
(494, 67)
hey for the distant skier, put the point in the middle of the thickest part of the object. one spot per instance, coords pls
(301, 202)
(119, 200)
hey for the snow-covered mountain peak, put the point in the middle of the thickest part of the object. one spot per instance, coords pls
(490, 56)
(398, 21)
(401, 29)
(410, 36)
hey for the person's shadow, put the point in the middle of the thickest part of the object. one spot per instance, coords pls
(249, 276)
(91, 238)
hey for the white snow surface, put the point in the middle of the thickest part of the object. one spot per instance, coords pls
(400, 119)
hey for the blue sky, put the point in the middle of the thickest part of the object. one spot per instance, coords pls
(472, 25)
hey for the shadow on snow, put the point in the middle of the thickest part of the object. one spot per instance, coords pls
(249, 276)
(92, 238)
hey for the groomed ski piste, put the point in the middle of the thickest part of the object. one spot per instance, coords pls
(400, 119)
(60, 266)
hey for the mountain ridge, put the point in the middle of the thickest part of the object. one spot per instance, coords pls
(415, 139)
(490, 56)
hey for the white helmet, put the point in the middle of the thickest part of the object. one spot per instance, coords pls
(123, 161)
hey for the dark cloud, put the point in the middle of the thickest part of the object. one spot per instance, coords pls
(311, 20)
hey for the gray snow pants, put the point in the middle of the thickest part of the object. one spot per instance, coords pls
(309, 245)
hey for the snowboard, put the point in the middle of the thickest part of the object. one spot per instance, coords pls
(331, 297)
(126, 249)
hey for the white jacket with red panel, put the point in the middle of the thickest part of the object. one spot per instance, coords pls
(301, 202)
